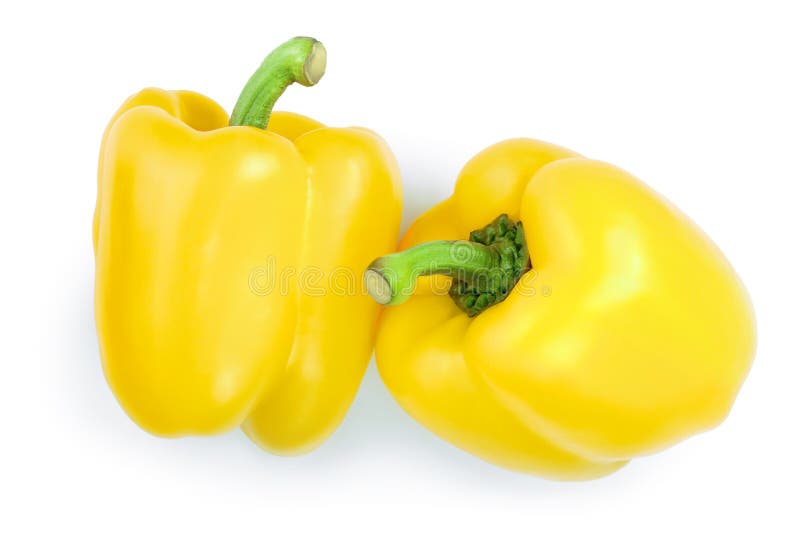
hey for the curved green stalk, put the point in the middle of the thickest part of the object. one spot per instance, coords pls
(300, 60)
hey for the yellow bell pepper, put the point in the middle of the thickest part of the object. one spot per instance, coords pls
(227, 259)
(592, 322)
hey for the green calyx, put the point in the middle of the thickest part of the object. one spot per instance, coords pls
(474, 294)
(484, 269)
(300, 60)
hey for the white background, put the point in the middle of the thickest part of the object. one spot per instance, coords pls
(699, 99)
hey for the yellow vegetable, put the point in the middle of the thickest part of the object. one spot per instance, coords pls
(226, 259)
(627, 332)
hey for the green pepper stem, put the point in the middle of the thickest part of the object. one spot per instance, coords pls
(391, 279)
(300, 60)
(484, 269)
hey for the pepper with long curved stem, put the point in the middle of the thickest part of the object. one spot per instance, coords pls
(484, 269)
(216, 346)
(301, 60)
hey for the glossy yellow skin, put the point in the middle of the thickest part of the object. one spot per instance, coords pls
(631, 332)
(227, 262)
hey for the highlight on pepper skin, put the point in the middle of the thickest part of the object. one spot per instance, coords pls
(642, 337)
(189, 202)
